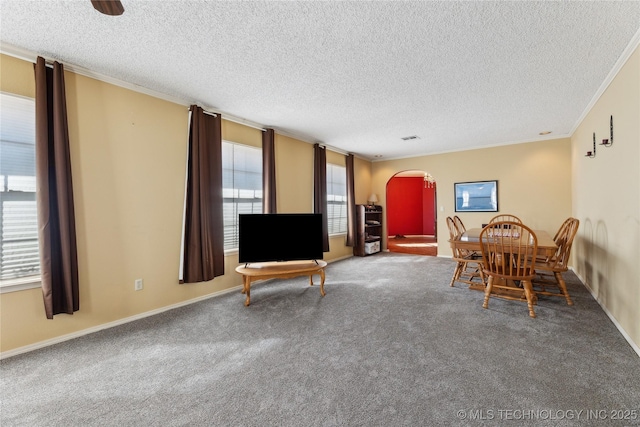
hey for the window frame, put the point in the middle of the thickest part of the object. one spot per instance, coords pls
(234, 250)
(330, 184)
(31, 281)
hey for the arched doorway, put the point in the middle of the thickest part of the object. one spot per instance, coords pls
(411, 213)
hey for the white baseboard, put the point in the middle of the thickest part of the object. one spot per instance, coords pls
(67, 337)
(340, 259)
(626, 336)
(78, 334)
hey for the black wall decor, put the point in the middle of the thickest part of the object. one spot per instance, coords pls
(592, 154)
(609, 142)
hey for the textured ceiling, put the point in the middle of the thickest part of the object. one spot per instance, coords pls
(357, 76)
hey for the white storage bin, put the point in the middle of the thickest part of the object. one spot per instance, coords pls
(372, 247)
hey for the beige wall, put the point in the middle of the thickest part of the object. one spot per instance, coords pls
(534, 182)
(363, 181)
(17, 76)
(294, 175)
(241, 134)
(606, 199)
(128, 153)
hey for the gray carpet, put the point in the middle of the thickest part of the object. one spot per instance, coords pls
(390, 344)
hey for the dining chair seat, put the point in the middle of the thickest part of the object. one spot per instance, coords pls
(506, 272)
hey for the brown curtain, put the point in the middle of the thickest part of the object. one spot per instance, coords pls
(351, 202)
(320, 191)
(54, 195)
(268, 172)
(203, 257)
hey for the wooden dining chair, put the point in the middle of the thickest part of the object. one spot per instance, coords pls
(557, 239)
(505, 217)
(508, 253)
(461, 229)
(561, 230)
(549, 271)
(468, 264)
(459, 225)
(453, 230)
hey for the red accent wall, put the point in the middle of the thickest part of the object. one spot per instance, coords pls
(410, 207)
(429, 210)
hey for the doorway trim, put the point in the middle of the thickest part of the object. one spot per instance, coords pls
(414, 226)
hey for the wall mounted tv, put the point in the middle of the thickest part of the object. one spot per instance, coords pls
(279, 237)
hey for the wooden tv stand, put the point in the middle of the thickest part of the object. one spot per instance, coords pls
(280, 270)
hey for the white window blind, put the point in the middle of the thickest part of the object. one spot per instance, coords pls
(241, 187)
(19, 252)
(336, 198)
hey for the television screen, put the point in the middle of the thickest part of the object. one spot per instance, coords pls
(279, 237)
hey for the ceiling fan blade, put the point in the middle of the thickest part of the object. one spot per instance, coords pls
(108, 7)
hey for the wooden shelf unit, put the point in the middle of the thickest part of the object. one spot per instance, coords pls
(368, 230)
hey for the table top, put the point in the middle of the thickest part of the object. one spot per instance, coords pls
(266, 268)
(545, 241)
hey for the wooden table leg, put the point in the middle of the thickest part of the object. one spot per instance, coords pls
(247, 290)
(321, 273)
(322, 282)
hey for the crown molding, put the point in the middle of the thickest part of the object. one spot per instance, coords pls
(30, 56)
(624, 57)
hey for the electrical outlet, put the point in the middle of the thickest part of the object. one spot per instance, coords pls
(138, 285)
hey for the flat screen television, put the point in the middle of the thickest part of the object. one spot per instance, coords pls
(279, 237)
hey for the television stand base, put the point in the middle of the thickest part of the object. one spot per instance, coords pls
(280, 270)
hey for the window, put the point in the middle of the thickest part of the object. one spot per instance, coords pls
(241, 187)
(19, 252)
(337, 199)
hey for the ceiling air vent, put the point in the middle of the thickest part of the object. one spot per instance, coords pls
(409, 138)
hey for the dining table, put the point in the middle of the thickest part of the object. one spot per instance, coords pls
(470, 241)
